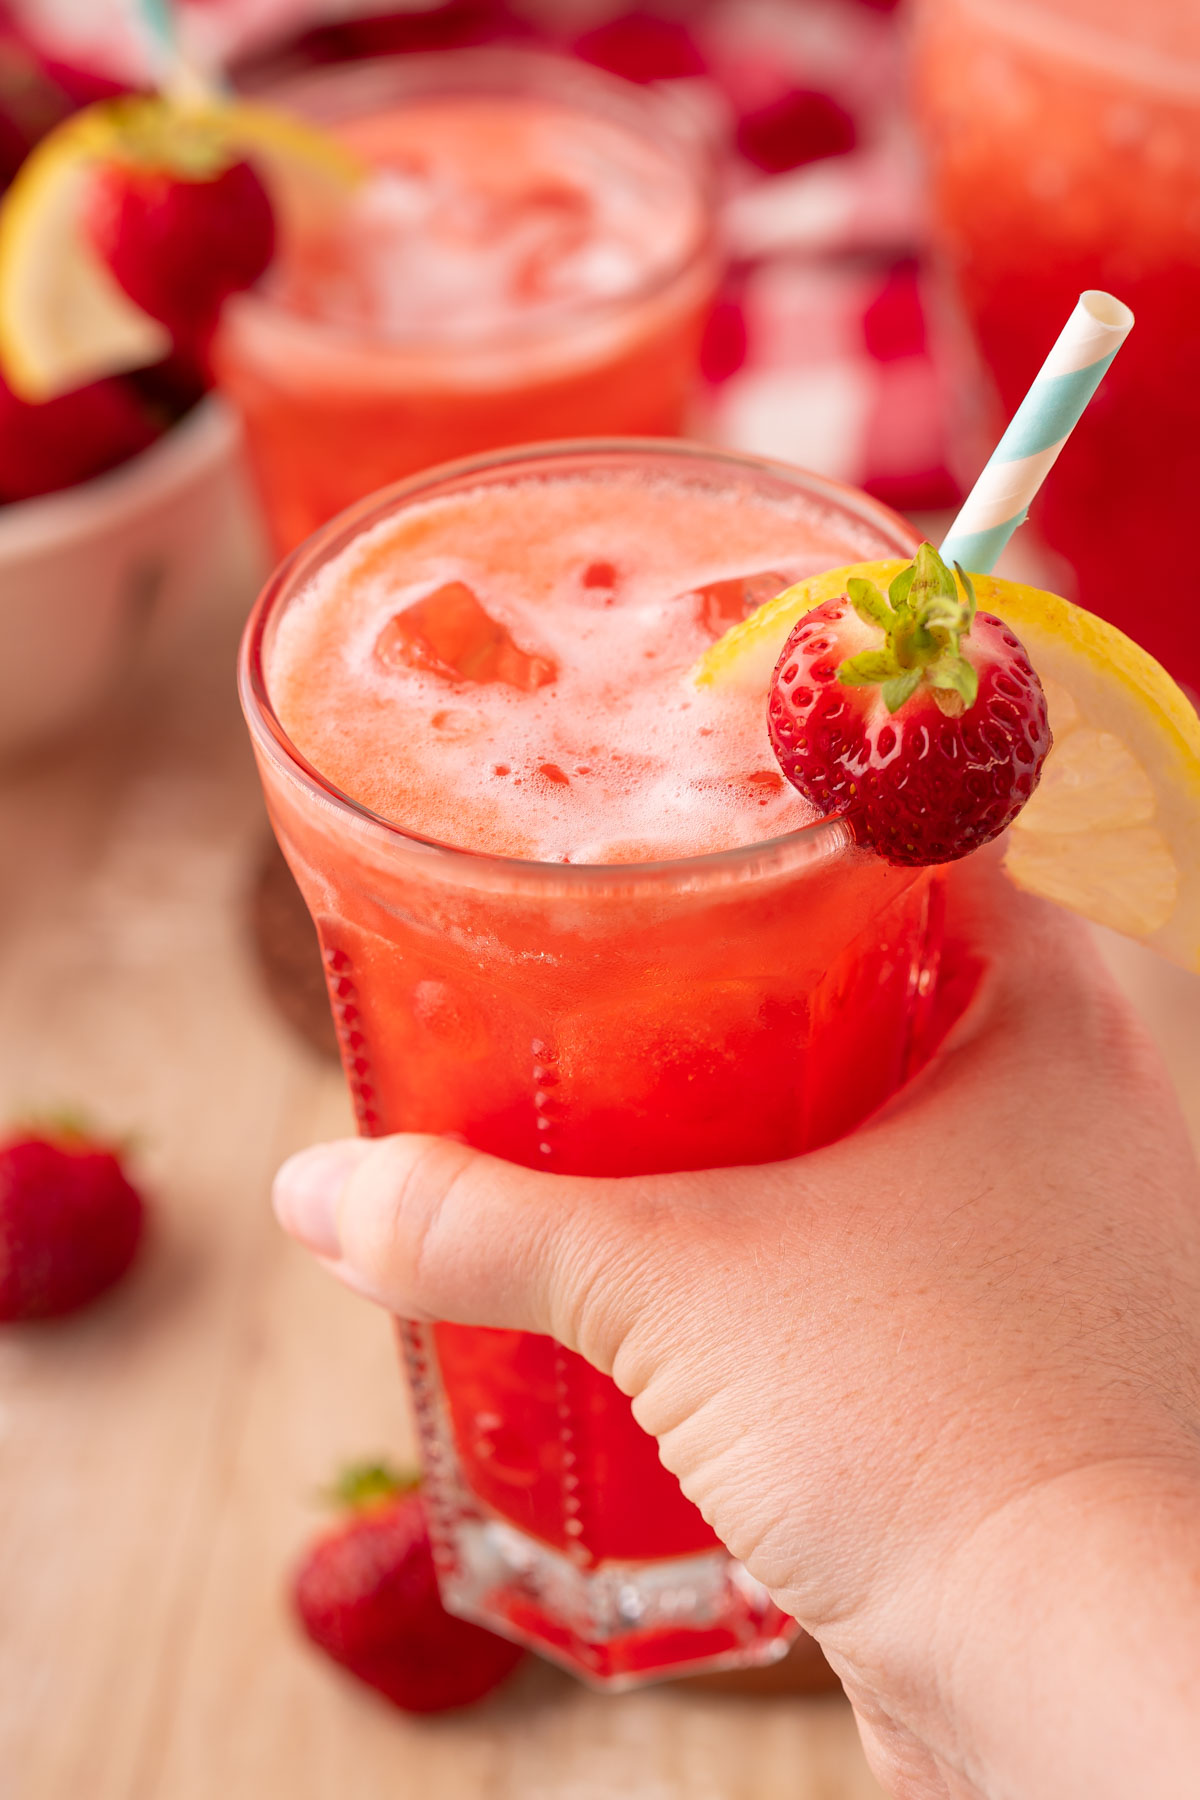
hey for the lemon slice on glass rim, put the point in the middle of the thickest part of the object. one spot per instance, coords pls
(64, 319)
(1113, 828)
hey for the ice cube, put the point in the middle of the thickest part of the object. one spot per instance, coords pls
(725, 603)
(550, 224)
(593, 269)
(395, 200)
(450, 634)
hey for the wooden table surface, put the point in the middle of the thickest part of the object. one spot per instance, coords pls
(160, 1457)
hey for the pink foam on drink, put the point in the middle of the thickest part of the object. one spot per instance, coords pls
(594, 746)
(485, 212)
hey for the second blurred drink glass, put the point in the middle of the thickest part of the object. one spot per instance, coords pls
(531, 257)
(1064, 146)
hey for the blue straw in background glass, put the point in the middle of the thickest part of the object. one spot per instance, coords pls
(173, 72)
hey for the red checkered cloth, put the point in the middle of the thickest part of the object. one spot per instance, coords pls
(819, 357)
(817, 350)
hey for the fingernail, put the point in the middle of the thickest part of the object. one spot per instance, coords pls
(307, 1190)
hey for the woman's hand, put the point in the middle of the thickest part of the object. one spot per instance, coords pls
(937, 1385)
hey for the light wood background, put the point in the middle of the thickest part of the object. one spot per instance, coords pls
(160, 1457)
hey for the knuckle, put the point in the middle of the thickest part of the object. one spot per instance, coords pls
(626, 1262)
(438, 1222)
(392, 1214)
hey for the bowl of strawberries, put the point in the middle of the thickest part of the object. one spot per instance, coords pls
(122, 232)
(127, 521)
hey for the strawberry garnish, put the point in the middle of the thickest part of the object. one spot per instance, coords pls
(917, 718)
(182, 224)
(70, 1223)
(367, 1594)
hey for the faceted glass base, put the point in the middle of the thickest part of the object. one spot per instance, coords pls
(621, 1624)
(614, 1623)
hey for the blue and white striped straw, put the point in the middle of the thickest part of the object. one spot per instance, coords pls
(160, 27)
(1040, 427)
(173, 71)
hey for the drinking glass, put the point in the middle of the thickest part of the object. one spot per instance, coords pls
(1063, 142)
(336, 401)
(713, 1010)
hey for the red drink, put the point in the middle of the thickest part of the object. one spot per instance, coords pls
(1064, 145)
(530, 258)
(642, 952)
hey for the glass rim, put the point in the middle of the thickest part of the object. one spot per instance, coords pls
(816, 842)
(458, 66)
(1097, 48)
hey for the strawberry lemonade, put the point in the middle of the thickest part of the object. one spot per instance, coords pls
(1063, 139)
(528, 256)
(571, 912)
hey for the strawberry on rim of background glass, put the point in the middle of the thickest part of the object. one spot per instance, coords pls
(182, 221)
(122, 234)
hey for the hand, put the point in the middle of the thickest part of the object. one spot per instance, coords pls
(931, 1384)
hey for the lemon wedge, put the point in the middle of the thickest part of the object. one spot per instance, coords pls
(1113, 829)
(64, 320)
(745, 657)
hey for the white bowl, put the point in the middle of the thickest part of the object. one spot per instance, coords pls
(85, 571)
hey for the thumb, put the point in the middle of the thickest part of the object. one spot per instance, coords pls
(432, 1229)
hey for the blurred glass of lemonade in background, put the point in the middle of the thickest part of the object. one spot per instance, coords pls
(530, 257)
(1064, 148)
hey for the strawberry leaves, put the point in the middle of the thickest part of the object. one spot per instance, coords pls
(925, 750)
(870, 604)
(370, 1484)
(869, 668)
(924, 618)
(955, 685)
(900, 688)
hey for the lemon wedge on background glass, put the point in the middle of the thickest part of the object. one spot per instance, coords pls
(1113, 829)
(64, 320)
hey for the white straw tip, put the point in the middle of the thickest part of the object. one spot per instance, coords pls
(1107, 310)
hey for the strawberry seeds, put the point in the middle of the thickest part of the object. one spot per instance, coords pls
(917, 718)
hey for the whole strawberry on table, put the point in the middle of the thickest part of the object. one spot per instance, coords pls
(71, 1222)
(366, 1594)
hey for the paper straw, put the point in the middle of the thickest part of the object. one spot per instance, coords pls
(173, 72)
(158, 19)
(1041, 425)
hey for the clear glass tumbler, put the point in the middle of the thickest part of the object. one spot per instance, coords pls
(722, 1009)
(580, 214)
(1063, 143)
